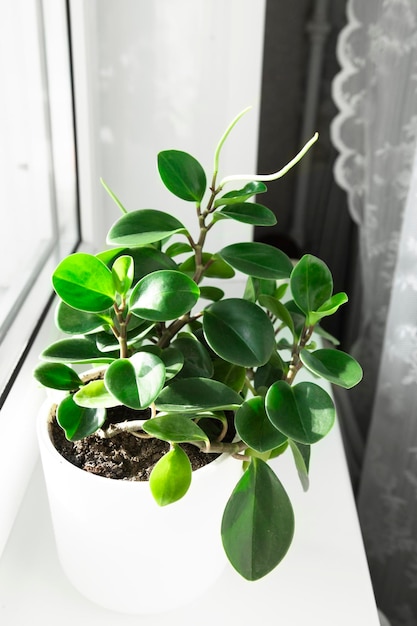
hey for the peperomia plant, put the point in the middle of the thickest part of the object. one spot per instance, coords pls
(175, 349)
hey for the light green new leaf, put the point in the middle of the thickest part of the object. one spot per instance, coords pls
(182, 174)
(304, 412)
(137, 381)
(163, 295)
(258, 522)
(174, 427)
(333, 365)
(95, 395)
(144, 226)
(239, 331)
(257, 259)
(84, 282)
(328, 308)
(171, 477)
(77, 421)
(254, 427)
(123, 274)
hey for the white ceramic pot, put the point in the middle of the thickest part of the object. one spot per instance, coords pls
(124, 552)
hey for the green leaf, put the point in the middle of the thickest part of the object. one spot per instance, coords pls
(254, 427)
(84, 282)
(95, 395)
(76, 350)
(148, 259)
(182, 174)
(278, 309)
(57, 376)
(123, 273)
(171, 477)
(211, 293)
(174, 427)
(142, 227)
(137, 381)
(177, 248)
(234, 376)
(197, 394)
(328, 308)
(75, 322)
(333, 365)
(239, 331)
(197, 361)
(217, 268)
(304, 412)
(241, 195)
(311, 283)
(172, 359)
(163, 295)
(78, 422)
(301, 454)
(258, 522)
(258, 259)
(248, 213)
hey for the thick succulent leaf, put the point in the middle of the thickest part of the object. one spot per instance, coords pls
(254, 427)
(304, 412)
(258, 259)
(197, 394)
(163, 295)
(248, 213)
(197, 361)
(241, 195)
(333, 365)
(142, 227)
(239, 331)
(57, 376)
(76, 350)
(171, 477)
(137, 381)
(95, 395)
(75, 322)
(84, 282)
(77, 421)
(182, 174)
(174, 427)
(301, 454)
(123, 273)
(258, 522)
(217, 268)
(311, 283)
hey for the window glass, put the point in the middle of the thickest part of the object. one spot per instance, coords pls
(38, 218)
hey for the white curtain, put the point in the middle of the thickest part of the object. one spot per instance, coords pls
(375, 133)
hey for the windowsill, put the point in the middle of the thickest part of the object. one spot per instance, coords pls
(323, 581)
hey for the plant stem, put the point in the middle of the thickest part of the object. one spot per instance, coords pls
(296, 363)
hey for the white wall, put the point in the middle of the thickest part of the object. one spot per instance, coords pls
(159, 75)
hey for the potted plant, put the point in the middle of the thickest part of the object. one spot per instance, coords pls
(192, 374)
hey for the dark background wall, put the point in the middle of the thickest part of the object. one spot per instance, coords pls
(311, 209)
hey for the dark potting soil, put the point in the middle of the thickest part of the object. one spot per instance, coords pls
(125, 456)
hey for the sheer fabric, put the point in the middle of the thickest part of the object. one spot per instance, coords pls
(375, 133)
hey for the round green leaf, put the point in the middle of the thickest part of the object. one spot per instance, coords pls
(143, 227)
(234, 376)
(254, 427)
(197, 394)
(239, 331)
(123, 273)
(84, 282)
(174, 427)
(76, 350)
(211, 293)
(333, 365)
(137, 381)
(182, 174)
(75, 322)
(172, 359)
(77, 421)
(57, 376)
(258, 259)
(217, 268)
(197, 361)
(163, 295)
(171, 477)
(258, 522)
(304, 412)
(248, 213)
(95, 395)
(311, 283)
